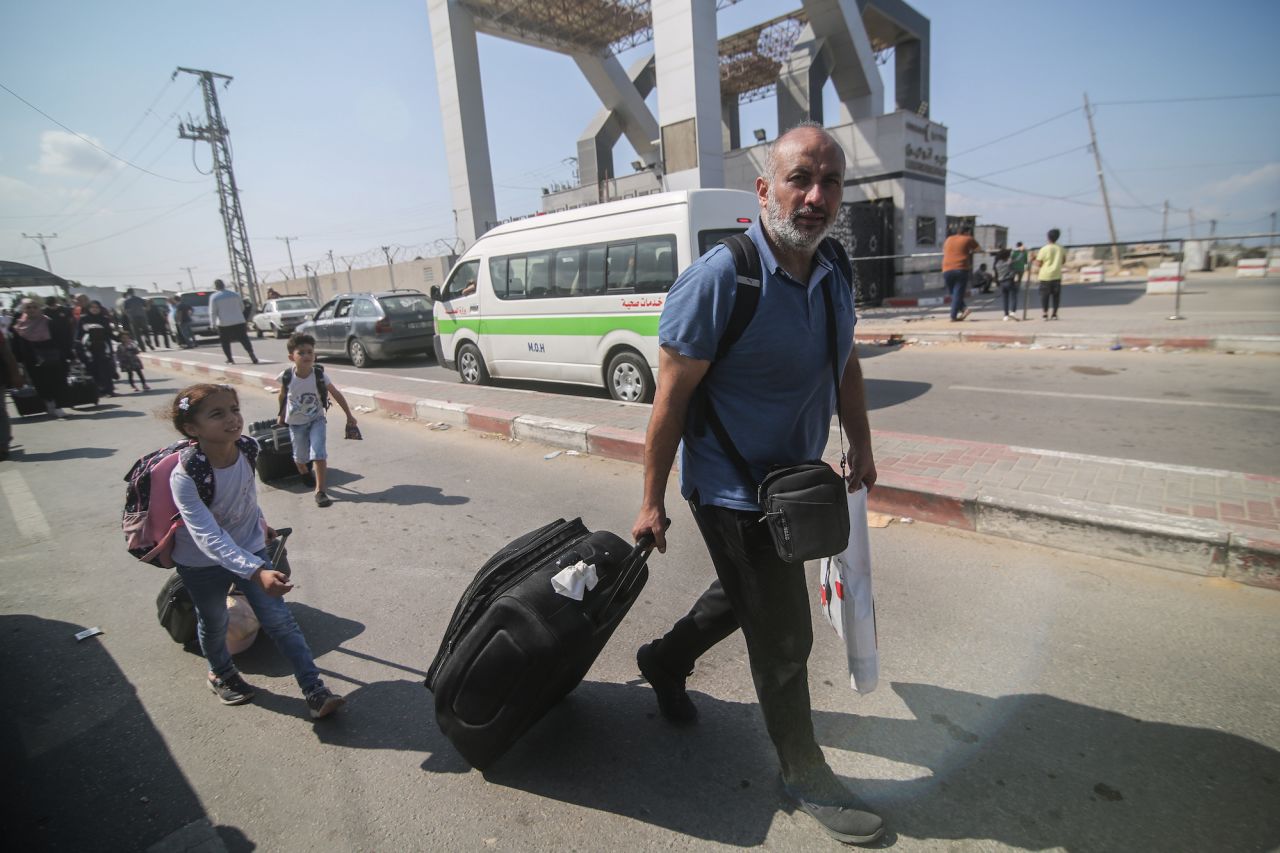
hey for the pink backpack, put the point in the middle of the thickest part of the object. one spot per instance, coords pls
(151, 517)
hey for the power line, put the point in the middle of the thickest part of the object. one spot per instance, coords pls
(84, 138)
(1028, 163)
(174, 209)
(1014, 133)
(1186, 100)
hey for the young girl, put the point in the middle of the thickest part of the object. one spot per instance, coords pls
(127, 358)
(223, 542)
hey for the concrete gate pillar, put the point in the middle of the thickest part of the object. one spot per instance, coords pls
(688, 67)
(800, 82)
(730, 123)
(466, 141)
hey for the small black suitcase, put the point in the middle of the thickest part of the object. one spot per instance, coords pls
(80, 391)
(176, 611)
(514, 647)
(275, 451)
(27, 401)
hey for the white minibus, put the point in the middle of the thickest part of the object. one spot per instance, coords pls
(575, 296)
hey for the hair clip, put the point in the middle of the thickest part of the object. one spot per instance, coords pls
(184, 403)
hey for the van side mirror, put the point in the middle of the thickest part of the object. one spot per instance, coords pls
(435, 293)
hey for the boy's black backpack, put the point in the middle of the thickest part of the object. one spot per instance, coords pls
(286, 376)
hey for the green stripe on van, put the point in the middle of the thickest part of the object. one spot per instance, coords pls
(593, 326)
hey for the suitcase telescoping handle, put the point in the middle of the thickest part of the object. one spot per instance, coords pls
(631, 567)
(282, 534)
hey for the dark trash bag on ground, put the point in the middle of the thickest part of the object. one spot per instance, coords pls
(515, 647)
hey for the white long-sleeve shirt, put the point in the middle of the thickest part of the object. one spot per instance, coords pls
(229, 532)
(225, 309)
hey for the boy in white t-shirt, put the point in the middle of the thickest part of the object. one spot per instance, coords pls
(304, 395)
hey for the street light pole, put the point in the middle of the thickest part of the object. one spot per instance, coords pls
(40, 238)
(293, 273)
(190, 277)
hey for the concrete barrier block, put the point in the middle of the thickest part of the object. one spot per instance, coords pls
(441, 411)
(1093, 275)
(404, 405)
(1251, 268)
(1190, 545)
(1247, 343)
(484, 419)
(360, 397)
(557, 433)
(1255, 558)
(626, 445)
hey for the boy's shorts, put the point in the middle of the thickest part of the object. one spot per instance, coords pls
(308, 441)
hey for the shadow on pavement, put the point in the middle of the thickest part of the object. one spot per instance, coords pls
(883, 393)
(1033, 771)
(85, 768)
(1030, 771)
(404, 494)
(63, 455)
(324, 632)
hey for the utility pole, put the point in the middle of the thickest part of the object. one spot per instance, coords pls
(1271, 238)
(1102, 182)
(190, 277)
(292, 272)
(1164, 222)
(214, 131)
(386, 250)
(40, 238)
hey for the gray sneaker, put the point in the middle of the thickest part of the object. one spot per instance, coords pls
(846, 818)
(232, 689)
(322, 702)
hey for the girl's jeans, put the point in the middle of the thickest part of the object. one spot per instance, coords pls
(1009, 295)
(209, 585)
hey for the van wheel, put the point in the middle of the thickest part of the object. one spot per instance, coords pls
(471, 365)
(628, 379)
(358, 354)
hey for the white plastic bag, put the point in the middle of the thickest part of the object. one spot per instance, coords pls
(845, 593)
(242, 623)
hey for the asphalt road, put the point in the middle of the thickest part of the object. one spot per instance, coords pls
(1029, 699)
(1204, 410)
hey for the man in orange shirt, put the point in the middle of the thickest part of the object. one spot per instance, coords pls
(957, 262)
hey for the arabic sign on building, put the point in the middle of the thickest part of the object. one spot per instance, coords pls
(926, 148)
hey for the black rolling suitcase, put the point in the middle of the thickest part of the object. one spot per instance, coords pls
(515, 647)
(27, 401)
(80, 391)
(275, 451)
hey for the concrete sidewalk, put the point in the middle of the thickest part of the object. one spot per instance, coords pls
(1207, 522)
(1219, 312)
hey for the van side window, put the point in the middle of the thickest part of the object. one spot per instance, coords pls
(593, 271)
(568, 273)
(538, 282)
(655, 264)
(464, 277)
(622, 267)
(517, 273)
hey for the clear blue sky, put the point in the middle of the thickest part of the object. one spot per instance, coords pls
(335, 124)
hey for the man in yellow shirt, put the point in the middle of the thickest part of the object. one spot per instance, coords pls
(1049, 261)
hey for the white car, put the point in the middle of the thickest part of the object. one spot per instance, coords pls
(281, 316)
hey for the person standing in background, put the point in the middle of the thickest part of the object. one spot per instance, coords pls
(226, 314)
(957, 263)
(1049, 261)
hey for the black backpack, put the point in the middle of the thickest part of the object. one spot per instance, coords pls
(746, 260)
(286, 376)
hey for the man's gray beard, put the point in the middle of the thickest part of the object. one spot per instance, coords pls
(784, 231)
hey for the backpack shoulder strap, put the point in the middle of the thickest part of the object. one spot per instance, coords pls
(197, 466)
(746, 263)
(321, 387)
(841, 257)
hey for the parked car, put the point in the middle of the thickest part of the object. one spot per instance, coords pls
(369, 326)
(282, 315)
(199, 302)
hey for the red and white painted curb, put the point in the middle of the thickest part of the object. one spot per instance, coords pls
(1182, 544)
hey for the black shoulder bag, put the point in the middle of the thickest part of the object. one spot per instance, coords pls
(805, 506)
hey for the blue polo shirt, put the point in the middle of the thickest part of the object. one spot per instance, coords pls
(773, 390)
